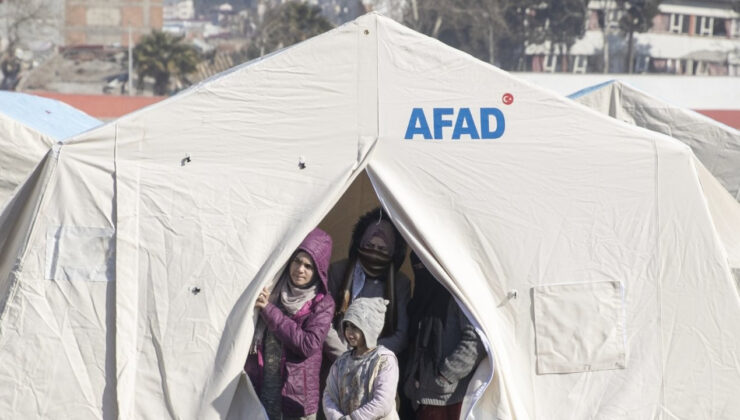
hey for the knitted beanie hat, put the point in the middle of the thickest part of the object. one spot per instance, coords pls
(367, 314)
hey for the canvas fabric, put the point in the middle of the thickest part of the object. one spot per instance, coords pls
(209, 192)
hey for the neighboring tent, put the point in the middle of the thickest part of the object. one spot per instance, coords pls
(581, 246)
(29, 125)
(715, 144)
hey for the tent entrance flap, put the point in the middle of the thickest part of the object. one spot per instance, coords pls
(360, 198)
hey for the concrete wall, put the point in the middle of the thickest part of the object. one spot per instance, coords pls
(106, 22)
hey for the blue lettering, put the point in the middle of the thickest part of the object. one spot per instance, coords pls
(492, 124)
(440, 123)
(418, 125)
(485, 131)
(465, 125)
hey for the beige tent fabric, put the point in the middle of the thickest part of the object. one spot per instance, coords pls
(22, 148)
(715, 144)
(29, 126)
(725, 212)
(195, 203)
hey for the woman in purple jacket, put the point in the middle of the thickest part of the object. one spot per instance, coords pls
(285, 359)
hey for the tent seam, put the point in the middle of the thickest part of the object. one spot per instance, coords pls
(377, 80)
(114, 209)
(658, 276)
(18, 265)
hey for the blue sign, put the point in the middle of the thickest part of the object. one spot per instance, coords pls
(491, 124)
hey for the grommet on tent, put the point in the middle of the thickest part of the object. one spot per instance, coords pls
(301, 163)
(185, 160)
(195, 290)
(366, 32)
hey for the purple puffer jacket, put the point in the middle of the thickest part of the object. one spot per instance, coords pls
(302, 336)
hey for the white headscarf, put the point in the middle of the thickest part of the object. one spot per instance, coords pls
(289, 298)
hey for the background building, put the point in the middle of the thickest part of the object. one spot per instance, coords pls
(688, 37)
(107, 22)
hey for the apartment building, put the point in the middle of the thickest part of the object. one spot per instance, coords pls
(107, 22)
(687, 37)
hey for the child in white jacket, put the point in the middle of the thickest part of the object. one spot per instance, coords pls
(362, 382)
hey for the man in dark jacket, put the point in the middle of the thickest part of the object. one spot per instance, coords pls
(445, 349)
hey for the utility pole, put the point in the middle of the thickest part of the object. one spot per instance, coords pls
(130, 63)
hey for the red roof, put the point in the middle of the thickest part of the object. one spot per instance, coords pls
(104, 107)
(730, 117)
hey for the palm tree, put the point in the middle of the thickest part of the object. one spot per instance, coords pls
(163, 56)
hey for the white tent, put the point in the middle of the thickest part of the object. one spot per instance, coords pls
(581, 246)
(29, 125)
(715, 144)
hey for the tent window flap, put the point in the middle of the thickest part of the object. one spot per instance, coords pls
(579, 327)
(79, 253)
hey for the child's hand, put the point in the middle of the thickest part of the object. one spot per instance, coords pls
(262, 299)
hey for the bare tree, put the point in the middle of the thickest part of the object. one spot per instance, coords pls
(498, 31)
(473, 26)
(608, 27)
(637, 17)
(19, 19)
(284, 25)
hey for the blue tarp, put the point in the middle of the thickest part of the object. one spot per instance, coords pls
(589, 89)
(47, 116)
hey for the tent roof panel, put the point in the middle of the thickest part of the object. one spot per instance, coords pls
(47, 116)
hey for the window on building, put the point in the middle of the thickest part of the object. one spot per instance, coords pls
(600, 18)
(720, 27)
(675, 23)
(659, 65)
(608, 18)
(613, 16)
(704, 25)
(701, 69)
(579, 63)
(642, 64)
(679, 23)
(550, 64)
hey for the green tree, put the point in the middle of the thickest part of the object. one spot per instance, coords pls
(521, 19)
(566, 21)
(473, 26)
(637, 16)
(287, 24)
(163, 56)
(498, 31)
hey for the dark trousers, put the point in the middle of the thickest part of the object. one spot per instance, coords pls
(439, 412)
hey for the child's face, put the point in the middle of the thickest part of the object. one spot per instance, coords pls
(353, 335)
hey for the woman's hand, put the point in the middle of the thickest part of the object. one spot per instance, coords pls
(262, 299)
